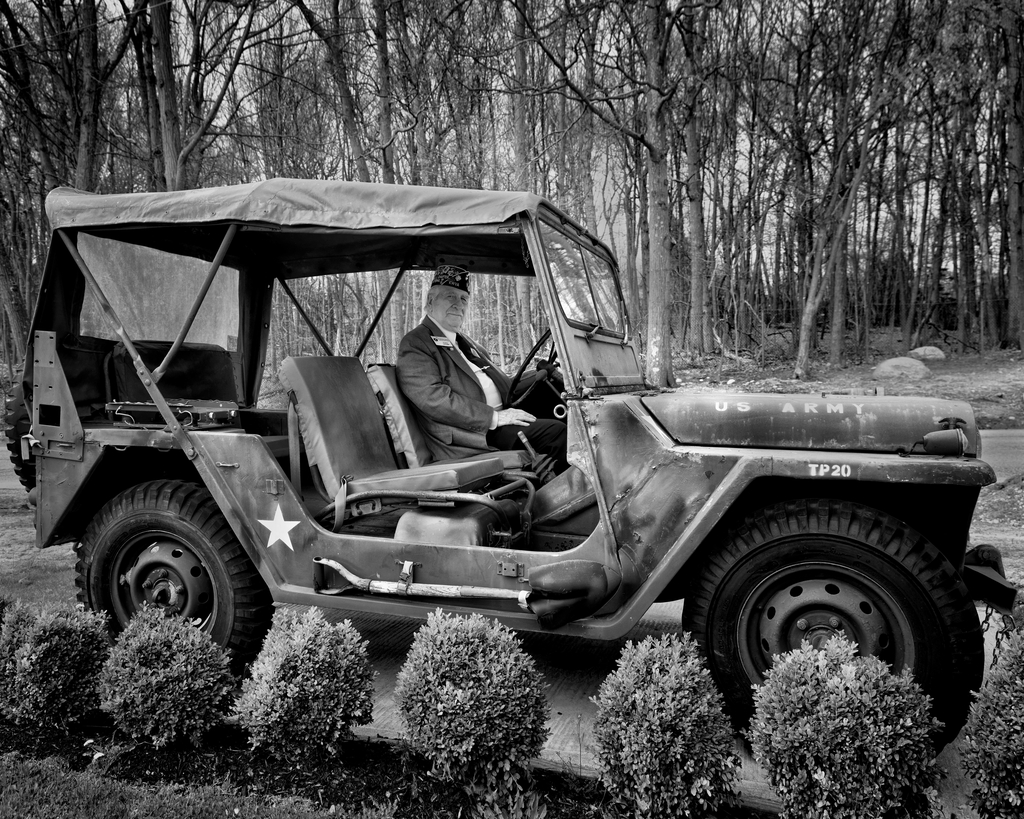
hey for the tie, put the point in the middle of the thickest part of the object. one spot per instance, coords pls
(471, 355)
(469, 352)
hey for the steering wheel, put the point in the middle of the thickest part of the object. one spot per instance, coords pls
(552, 357)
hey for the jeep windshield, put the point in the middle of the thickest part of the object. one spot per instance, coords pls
(585, 282)
(585, 287)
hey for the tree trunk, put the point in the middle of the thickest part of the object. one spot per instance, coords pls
(166, 92)
(837, 335)
(659, 353)
(14, 303)
(89, 101)
(827, 255)
(380, 33)
(142, 41)
(18, 71)
(1013, 27)
(334, 41)
(698, 336)
(522, 169)
(659, 359)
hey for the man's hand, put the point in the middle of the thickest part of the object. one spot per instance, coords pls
(513, 417)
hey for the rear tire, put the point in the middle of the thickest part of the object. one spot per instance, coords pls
(166, 544)
(18, 422)
(811, 569)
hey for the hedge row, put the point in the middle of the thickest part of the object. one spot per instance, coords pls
(839, 735)
(165, 680)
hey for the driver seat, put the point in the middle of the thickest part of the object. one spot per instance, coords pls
(406, 435)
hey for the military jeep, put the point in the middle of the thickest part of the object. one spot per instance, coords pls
(206, 459)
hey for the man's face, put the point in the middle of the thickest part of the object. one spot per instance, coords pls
(446, 306)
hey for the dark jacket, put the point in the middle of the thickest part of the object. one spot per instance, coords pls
(448, 400)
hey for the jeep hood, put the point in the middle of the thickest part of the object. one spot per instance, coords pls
(823, 422)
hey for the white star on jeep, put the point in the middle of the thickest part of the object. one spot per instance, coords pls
(279, 529)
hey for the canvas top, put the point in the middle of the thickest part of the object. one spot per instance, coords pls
(293, 203)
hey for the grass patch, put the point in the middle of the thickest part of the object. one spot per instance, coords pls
(36, 577)
(94, 771)
(50, 789)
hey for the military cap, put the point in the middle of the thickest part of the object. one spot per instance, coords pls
(452, 276)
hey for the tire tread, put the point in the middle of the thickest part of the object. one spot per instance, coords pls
(193, 503)
(871, 528)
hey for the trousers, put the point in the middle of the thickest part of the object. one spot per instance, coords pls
(547, 436)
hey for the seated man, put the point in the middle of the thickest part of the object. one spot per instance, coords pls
(460, 397)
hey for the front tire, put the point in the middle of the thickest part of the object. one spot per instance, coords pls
(166, 544)
(811, 569)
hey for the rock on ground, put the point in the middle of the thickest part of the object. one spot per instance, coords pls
(902, 367)
(928, 354)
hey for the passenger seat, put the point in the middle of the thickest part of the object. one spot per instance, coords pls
(336, 413)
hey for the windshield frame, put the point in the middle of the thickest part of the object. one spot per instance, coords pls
(593, 358)
(589, 250)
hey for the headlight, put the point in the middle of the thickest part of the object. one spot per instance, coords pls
(946, 442)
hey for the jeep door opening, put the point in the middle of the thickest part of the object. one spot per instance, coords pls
(165, 426)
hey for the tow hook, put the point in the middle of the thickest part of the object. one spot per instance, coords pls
(986, 579)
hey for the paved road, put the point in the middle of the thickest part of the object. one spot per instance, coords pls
(8, 480)
(1004, 450)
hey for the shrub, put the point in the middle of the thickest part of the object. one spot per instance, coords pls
(57, 657)
(310, 684)
(841, 736)
(14, 628)
(993, 748)
(473, 703)
(165, 680)
(664, 742)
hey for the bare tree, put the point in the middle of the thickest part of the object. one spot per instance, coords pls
(218, 35)
(54, 68)
(652, 39)
(340, 31)
(786, 165)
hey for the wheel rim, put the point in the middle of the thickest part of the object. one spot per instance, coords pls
(815, 602)
(161, 570)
